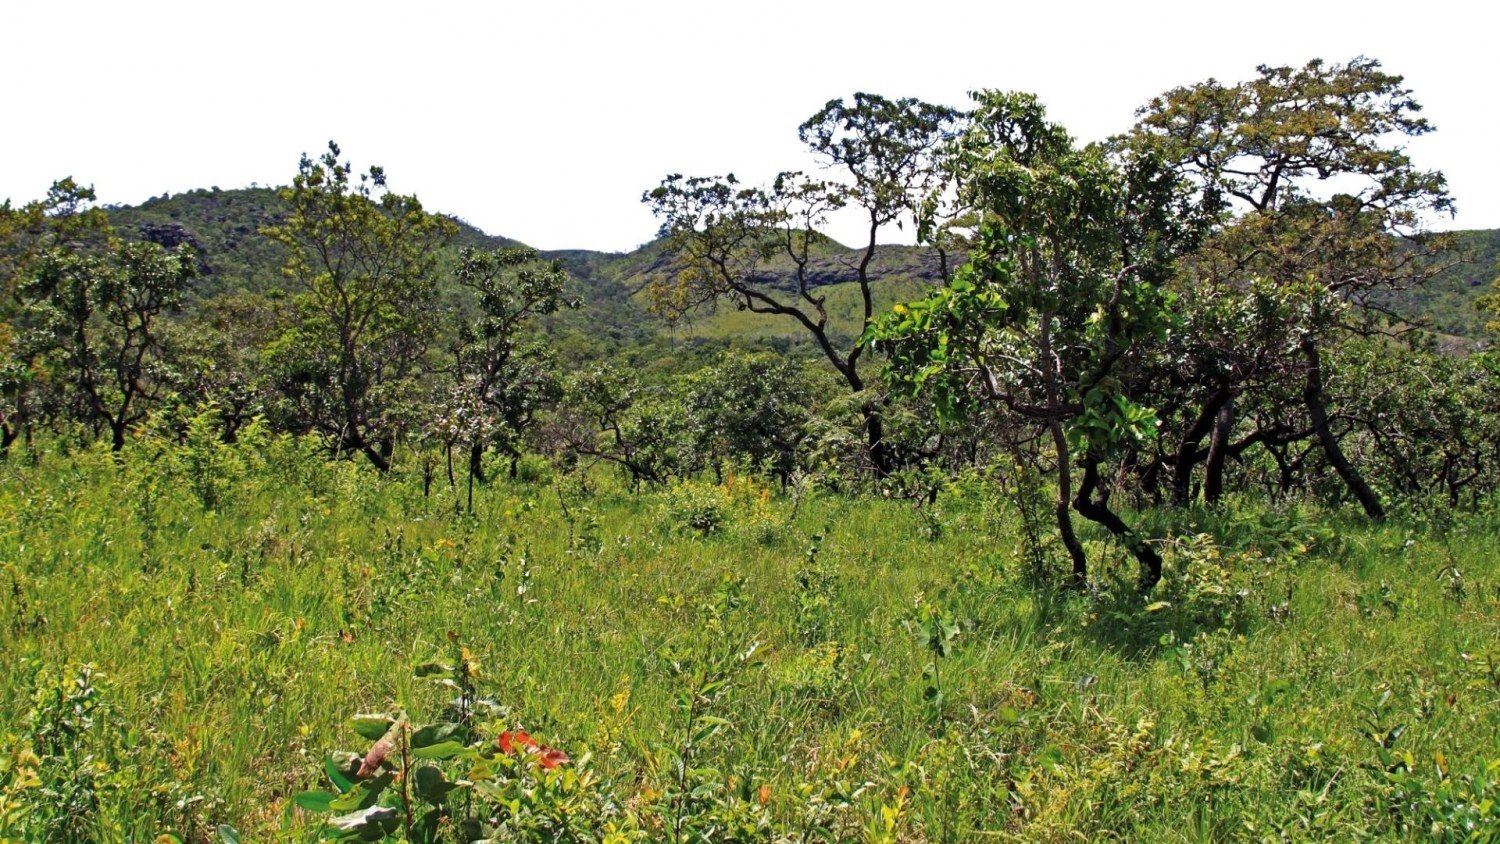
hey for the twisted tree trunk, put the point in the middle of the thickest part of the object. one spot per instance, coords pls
(1317, 410)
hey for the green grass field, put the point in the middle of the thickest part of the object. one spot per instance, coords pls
(1306, 676)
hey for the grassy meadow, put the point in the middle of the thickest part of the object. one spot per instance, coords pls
(187, 632)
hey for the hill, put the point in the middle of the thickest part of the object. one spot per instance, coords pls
(224, 226)
(1447, 301)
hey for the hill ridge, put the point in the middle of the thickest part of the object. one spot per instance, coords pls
(224, 225)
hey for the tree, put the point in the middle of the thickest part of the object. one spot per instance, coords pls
(1320, 214)
(1061, 300)
(216, 356)
(1430, 421)
(752, 407)
(884, 157)
(511, 379)
(63, 220)
(610, 416)
(366, 261)
(99, 320)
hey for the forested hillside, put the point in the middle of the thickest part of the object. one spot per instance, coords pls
(223, 227)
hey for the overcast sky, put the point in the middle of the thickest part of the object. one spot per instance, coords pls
(545, 121)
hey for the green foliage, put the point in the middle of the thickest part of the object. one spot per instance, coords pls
(1062, 292)
(1432, 422)
(97, 329)
(753, 408)
(503, 381)
(695, 507)
(936, 631)
(1105, 713)
(211, 467)
(71, 774)
(885, 160)
(1320, 216)
(1204, 298)
(365, 261)
(455, 780)
(611, 416)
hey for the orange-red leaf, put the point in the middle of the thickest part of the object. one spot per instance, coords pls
(551, 757)
(510, 742)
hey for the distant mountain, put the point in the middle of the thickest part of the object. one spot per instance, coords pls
(224, 226)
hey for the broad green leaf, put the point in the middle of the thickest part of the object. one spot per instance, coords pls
(440, 750)
(431, 785)
(370, 819)
(340, 768)
(372, 727)
(433, 733)
(315, 801)
(363, 795)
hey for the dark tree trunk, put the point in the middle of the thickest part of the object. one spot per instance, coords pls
(116, 436)
(1284, 476)
(1150, 479)
(476, 463)
(1312, 396)
(1092, 504)
(1187, 451)
(380, 454)
(1218, 451)
(469, 507)
(1061, 509)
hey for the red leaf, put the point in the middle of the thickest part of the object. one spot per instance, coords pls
(510, 742)
(551, 757)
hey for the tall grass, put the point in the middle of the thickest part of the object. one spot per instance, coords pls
(1299, 674)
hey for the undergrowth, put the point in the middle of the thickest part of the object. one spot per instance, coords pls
(209, 642)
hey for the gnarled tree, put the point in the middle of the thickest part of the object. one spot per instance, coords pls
(1321, 214)
(510, 376)
(1061, 300)
(882, 157)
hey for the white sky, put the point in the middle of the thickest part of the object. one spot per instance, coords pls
(545, 121)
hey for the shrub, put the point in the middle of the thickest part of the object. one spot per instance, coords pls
(692, 506)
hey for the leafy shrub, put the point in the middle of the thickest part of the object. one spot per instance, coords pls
(75, 774)
(458, 777)
(1204, 588)
(1444, 807)
(533, 469)
(693, 506)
